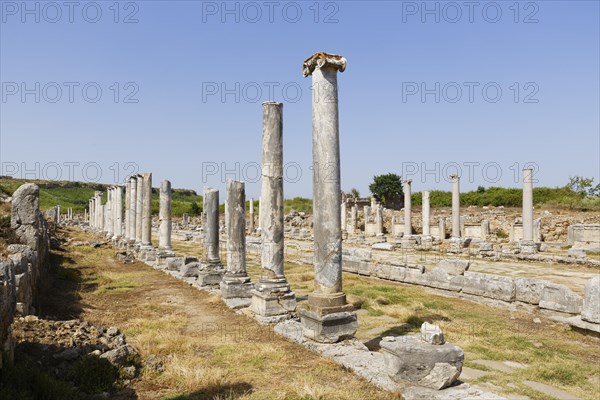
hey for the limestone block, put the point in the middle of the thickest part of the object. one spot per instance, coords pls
(560, 298)
(591, 301)
(454, 267)
(491, 286)
(434, 366)
(529, 290)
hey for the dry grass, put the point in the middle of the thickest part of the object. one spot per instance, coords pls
(207, 350)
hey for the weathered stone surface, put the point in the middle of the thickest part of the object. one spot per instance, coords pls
(330, 328)
(434, 366)
(415, 275)
(454, 267)
(529, 290)
(190, 270)
(591, 301)
(8, 302)
(440, 279)
(174, 263)
(273, 303)
(432, 334)
(384, 246)
(560, 298)
(491, 286)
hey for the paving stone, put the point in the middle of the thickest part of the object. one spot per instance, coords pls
(551, 391)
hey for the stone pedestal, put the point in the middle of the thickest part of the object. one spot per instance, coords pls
(328, 328)
(528, 247)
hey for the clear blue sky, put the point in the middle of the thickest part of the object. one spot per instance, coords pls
(179, 55)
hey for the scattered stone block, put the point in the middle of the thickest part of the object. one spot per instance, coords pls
(560, 298)
(454, 267)
(529, 290)
(591, 301)
(432, 334)
(433, 366)
(491, 286)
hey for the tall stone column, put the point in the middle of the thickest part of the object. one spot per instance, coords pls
(164, 216)
(343, 216)
(127, 209)
(119, 211)
(272, 295)
(353, 218)
(147, 210)
(455, 206)
(528, 245)
(132, 209)
(108, 210)
(426, 215)
(236, 287)
(407, 207)
(328, 318)
(211, 268)
(379, 220)
(90, 212)
(99, 211)
(528, 204)
(139, 212)
(251, 214)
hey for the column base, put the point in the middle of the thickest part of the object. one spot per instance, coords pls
(329, 328)
(528, 247)
(270, 303)
(410, 240)
(238, 287)
(210, 274)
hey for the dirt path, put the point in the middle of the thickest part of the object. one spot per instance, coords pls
(196, 347)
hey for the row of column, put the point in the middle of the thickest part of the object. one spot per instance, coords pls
(127, 213)
(455, 218)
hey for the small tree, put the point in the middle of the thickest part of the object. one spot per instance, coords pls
(355, 192)
(195, 209)
(387, 189)
(583, 186)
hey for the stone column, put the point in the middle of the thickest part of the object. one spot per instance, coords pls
(251, 221)
(379, 220)
(455, 206)
(90, 212)
(120, 190)
(211, 267)
(99, 211)
(139, 211)
(272, 295)
(164, 216)
(353, 218)
(108, 216)
(343, 216)
(132, 209)
(426, 215)
(407, 208)
(236, 287)
(147, 210)
(127, 209)
(528, 204)
(367, 215)
(328, 318)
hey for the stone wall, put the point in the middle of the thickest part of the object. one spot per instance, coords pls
(453, 275)
(23, 272)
